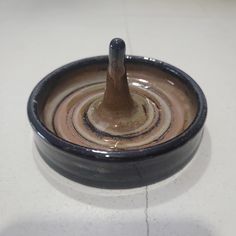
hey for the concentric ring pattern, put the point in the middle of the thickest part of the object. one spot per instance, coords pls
(168, 107)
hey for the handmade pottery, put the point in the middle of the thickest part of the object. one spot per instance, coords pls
(117, 121)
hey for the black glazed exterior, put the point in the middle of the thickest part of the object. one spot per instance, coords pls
(115, 169)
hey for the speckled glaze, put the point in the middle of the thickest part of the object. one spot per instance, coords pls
(122, 168)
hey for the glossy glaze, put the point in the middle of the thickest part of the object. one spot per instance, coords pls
(114, 169)
(163, 107)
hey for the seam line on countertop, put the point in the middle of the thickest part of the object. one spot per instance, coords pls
(126, 27)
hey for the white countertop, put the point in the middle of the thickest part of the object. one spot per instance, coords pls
(196, 36)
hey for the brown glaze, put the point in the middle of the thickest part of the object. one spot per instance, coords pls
(118, 113)
(89, 82)
(149, 108)
(117, 96)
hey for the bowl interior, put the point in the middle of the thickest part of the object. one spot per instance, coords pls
(178, 94)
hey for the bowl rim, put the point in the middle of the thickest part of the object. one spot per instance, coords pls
(127, 155)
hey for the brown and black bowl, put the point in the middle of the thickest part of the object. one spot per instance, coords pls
(115, 169)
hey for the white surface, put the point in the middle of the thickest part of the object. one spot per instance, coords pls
(197, 36)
